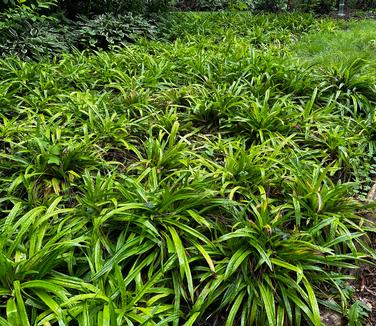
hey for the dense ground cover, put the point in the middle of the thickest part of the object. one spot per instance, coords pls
(208, 177)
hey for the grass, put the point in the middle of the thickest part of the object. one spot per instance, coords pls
(182, 181)
(344, 42)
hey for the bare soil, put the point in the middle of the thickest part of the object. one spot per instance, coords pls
(365, 287)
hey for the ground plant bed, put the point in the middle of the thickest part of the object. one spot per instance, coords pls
(216, 174)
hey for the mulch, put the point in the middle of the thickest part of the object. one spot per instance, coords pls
(365, 287)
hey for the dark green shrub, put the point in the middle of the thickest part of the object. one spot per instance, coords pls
(30, 35)
(106, 30)
(35, 40)
(27, 33)
(42, 5)
(4, 4)
(213, 5)
(270, 5)
(363, 4)
(74, 8)
(202, 5)
(316, 6)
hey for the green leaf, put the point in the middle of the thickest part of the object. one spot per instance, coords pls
(52, 159)
(269, 303)
(183, 260)
(234, 309)
(237, 258)
(205, 255)
(22, 314)
(3, 322)
(53, 305)
(12, 313)
(313, 302)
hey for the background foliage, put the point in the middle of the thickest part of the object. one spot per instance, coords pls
(317, 6)
(41, 28)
